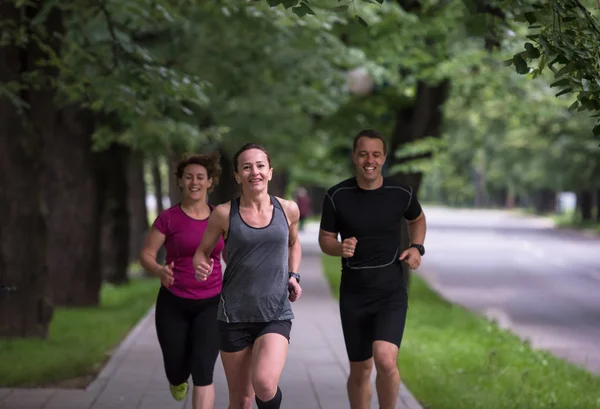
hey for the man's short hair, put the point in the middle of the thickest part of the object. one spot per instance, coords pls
(369, 133)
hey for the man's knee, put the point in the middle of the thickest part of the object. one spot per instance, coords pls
(360, 372)
(385, 355)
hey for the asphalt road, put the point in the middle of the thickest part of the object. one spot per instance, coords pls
(542, 283)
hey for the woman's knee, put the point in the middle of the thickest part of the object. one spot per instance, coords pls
(265, 387)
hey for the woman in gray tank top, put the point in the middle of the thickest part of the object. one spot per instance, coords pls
(263, 255)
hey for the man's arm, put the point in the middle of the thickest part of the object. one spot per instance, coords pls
(329, 243)
(415, 220)
(328, 234)
(417, 229)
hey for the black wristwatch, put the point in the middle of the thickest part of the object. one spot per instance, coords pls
(296, 276)
(419, 247)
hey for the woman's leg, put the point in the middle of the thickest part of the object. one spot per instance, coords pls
(237, 366)
(268, 359)
(172, 330)
(205, 349)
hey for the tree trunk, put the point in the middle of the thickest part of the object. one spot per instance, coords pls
(74, 218)
(158, 196)
(598, 206)
(500, 197)
(138, 214)
(422, 119)
(584, 203)
(544, 201)
(112, 180)
(26, 310)
(227, 188)
(279, 182)
(157, 183)
(511, 199)
(175, 194)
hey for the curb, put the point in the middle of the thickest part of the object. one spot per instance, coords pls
(116, 358)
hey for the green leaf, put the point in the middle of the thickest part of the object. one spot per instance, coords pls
(596, 129)
(574, 106)
(471, 6)
(561, 83)
(530, 16)
(520, 64)
(477, 24)
(289, 3)
(339, 9)
(564, 91)
(274, 3)
(361, 21)
(302, 10)
(532, 52)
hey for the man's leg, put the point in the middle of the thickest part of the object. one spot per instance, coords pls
(388, 332)
(387, 381)
(357, 327)
(359, 384)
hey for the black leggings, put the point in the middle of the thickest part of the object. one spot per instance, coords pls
(188, 334)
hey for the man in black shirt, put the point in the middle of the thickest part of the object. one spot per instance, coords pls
(367, 211)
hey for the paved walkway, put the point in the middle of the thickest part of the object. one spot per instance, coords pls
(314, 376)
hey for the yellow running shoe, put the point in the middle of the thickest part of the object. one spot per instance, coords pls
(179, 391)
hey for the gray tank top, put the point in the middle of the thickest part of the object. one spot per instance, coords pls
(255, 282)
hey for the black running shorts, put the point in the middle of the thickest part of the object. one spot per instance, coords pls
(236, 336)
(370, 317)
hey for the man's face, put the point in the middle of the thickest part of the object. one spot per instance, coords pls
(368, 158)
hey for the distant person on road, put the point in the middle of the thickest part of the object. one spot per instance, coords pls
(305, 205)
(260, 280)
(186, 309)
(367, 211)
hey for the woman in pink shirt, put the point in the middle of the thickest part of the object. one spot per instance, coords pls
(186, 309)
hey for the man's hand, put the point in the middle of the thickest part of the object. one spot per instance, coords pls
(204, 269)
(412, 257)
(348, 246)
(294, 289)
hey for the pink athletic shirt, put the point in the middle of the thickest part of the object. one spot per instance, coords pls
(182, 237)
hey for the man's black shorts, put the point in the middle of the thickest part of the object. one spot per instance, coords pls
(371, 317)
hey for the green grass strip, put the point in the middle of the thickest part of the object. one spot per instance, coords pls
(80, 339)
